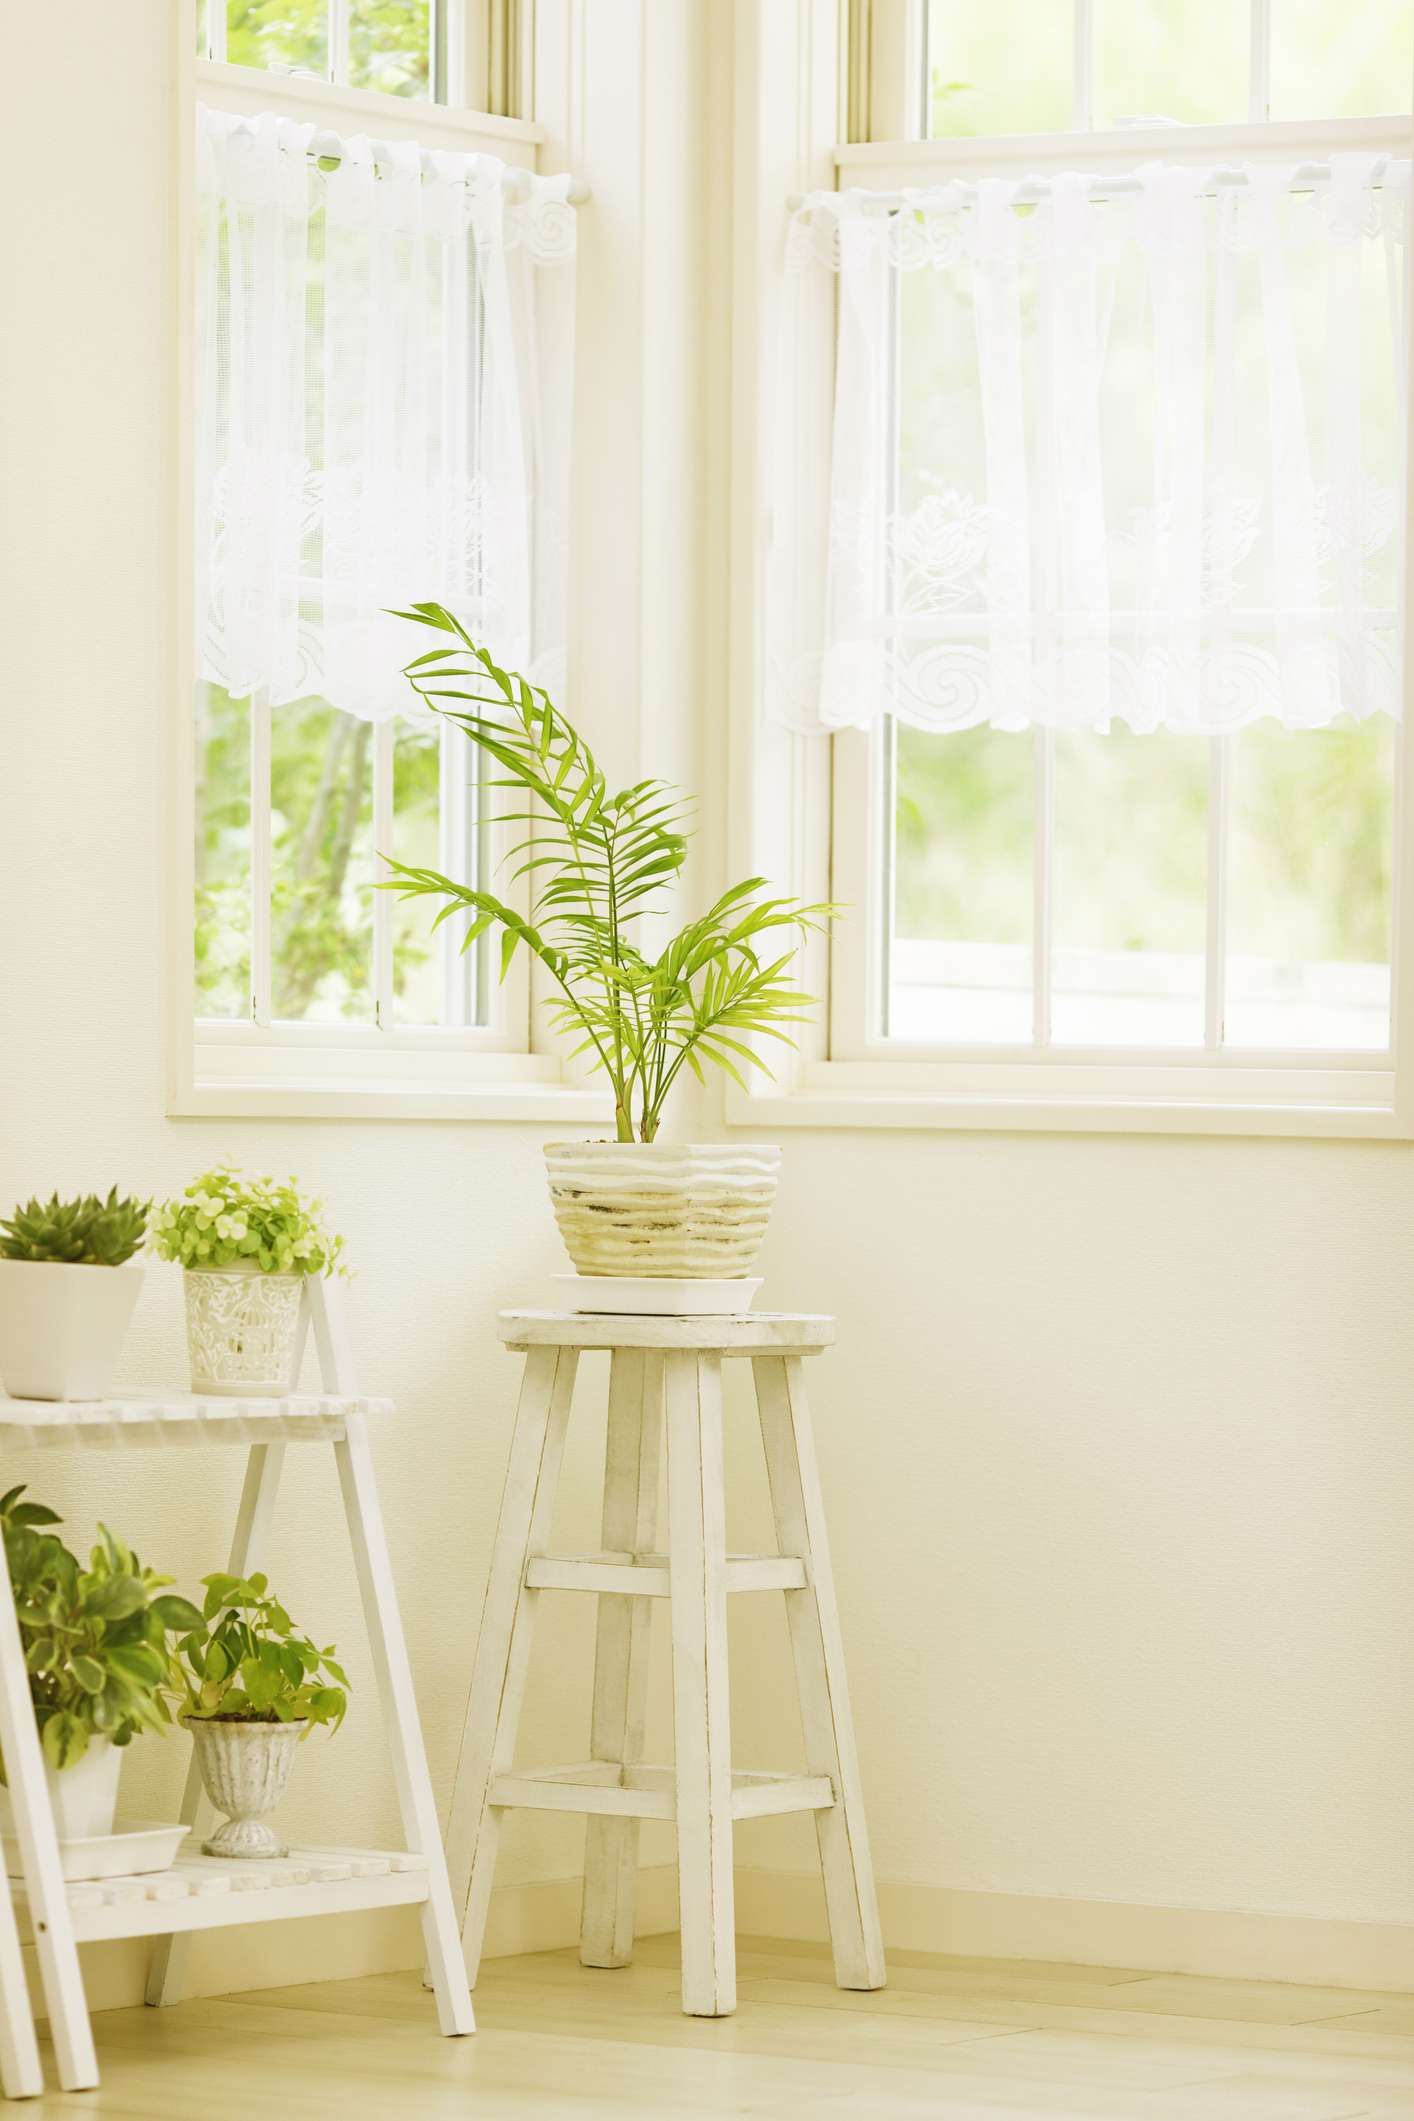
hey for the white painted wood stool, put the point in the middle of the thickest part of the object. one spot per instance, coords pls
(656, 1363)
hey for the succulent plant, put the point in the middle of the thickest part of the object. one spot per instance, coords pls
(80, 1233)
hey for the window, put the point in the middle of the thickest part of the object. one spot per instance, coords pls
(382, 350)
(1114, 786)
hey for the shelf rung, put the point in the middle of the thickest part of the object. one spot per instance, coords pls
(648, 1792)
(646, 1576)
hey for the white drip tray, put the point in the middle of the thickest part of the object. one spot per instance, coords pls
(652, 1296)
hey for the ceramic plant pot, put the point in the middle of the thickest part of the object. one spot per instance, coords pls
(242, 1326)
(692, 1210)
(244, 1769)
(84, 1797)
(61, 1327)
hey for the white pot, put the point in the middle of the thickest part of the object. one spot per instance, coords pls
(698, 1210)
(61, 1327)
(244, 1769)
(84, 1796)
(242, 1327)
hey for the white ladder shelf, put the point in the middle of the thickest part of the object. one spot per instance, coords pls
(201, 1892)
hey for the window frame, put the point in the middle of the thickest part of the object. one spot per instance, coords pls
(819, 822)
(251, 1066)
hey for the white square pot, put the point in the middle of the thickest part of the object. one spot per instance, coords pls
(62, 1327)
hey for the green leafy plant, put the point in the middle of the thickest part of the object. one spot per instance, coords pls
(597, 861)
(252, 1667)
(95, 1639)
(84, 1233)
(225, 1219)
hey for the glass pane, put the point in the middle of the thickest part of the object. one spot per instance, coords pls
(321, 799)
(1338, 61)
(390, 46)
(201, 44)
(961, 959)
(1309, 870)
(222, 853)
(976, 84)
(291, 34)
(417, 839)
(1154, 61)
(1130, 877)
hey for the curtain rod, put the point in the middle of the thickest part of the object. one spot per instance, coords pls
(329, 147)
(1306, 176)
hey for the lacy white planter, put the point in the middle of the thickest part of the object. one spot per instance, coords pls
(698, 1210)
(241, 1330)
(61, 1327)
(84, 1797)
(244, 1769)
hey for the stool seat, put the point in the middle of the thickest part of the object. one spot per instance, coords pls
(665, 1381)
(752, 1333)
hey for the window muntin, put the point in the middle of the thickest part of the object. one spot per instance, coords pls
(1136, 895)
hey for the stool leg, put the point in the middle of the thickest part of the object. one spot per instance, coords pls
(701, 1702)
(621, 1649)
(503, 1646)
(819, 1669)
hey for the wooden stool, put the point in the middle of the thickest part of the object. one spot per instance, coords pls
(656, 1362)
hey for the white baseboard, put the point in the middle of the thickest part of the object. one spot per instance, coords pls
(1232, 1945)
(1227, 1944)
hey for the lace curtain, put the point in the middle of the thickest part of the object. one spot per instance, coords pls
(1059, 456)
(383, 348)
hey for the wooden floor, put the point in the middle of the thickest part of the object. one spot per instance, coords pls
(948, 2037)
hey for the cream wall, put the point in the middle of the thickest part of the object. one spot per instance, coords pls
(1116, 1438)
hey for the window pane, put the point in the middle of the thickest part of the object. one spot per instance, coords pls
(1332, 61)
(201, 44)
(291, 34)
(222, 853)
(1187, 63)
(961, 959)
(321, 787)
(1130, 868)
(1309, 871)
(434, 827)
(389, 46)
(976, 84)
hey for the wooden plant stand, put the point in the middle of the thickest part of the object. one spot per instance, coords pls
(673, 1364)
(201, 1892)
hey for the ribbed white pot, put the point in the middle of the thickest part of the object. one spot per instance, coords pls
(695, 1209)
(241, 1330)
(61, 1327)
(84, 1797)
(244, 1769)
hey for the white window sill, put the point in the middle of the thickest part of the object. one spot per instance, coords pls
(1356, 1104)
(313, 1075)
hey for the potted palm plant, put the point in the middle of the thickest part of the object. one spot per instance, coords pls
(598, 860)
(254, 1687)
(68, 1285)
(101, 1667)
(246, 1245)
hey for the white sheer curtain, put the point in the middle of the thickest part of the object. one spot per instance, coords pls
(384, 350)
(1090, 455)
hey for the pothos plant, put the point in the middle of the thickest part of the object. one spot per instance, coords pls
(245, 1661)
(598, 859)
(96, 1639)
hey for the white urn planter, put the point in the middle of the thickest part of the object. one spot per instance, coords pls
(84, 1797)
(242, 1328)
(696, 1211)
(244, 1770)
(62, 1327)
